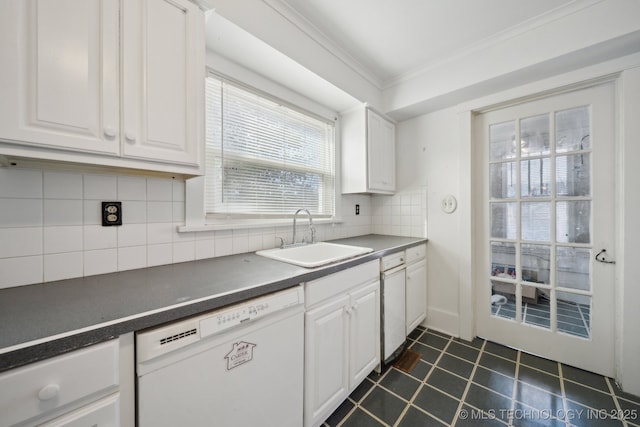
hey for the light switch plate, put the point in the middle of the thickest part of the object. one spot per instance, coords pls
(111, 213)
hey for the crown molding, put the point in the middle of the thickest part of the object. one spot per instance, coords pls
(289, 13)
(486, 43)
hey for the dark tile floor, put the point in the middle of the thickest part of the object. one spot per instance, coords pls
(481, 383)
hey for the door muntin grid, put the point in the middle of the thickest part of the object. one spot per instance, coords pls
(540, 220)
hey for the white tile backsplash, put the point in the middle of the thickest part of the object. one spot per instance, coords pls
(63, 266)
(134, 211)
(21, 183)
(63, 239)
(132, 235)
(50, 225)
(132, 188)
(160, 189)
(159, 254)
(159, 211)
(63, 212)
(100, 261)
(184, 251)
(403, 214)
(132, 257)
(100, 187)
(20, 271)
(62, 185)
(161, 232)
(20, 212)
(22, 241)
(98, 237)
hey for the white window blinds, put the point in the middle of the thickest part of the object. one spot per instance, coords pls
(264, 158)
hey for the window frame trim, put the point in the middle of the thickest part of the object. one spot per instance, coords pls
(196, 217)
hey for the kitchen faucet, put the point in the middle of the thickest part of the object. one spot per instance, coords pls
(311, 227)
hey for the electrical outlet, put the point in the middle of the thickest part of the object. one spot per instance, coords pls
(111, 213)
(357, 209)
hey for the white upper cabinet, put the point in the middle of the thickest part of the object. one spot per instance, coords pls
(163, 80)
(110, 82)
(60, 74)
(368, 143)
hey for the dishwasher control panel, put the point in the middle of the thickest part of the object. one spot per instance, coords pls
(165, 339)
(244, 312)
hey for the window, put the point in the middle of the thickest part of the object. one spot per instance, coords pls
(263, 158)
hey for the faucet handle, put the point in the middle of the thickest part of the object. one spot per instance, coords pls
(281, 241)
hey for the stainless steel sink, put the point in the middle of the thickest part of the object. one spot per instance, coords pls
(314, 255)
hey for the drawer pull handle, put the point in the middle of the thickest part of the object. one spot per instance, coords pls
(48, 392)
(130, 137)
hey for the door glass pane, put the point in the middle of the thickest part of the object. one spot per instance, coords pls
(572, 130)
(501, 140)
(535, 177)
(503, 180)
(573, 219)
(503, 260)
(574, 314)
(536, 309)
(573, 267)
(534, 136)
(573, 175)
(536, 221)
(503, 299)
(503, 220)
(535, 260)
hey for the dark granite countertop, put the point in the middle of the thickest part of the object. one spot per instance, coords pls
(44, 320)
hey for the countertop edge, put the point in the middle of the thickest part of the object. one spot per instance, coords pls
(45, 348)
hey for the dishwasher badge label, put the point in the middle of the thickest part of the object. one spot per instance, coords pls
(241, 353)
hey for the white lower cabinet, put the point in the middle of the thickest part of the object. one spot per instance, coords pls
(93, 386)
(416, 287)
(342, 337)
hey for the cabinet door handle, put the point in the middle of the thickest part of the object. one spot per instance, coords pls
(130, 137)
(109, 132)
(48, 392)
(348, 310)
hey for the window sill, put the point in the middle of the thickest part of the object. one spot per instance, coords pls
(235, 224)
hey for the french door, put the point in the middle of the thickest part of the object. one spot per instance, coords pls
(547, 196)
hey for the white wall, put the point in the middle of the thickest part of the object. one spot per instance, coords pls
(436, 150)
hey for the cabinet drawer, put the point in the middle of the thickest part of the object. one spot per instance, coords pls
(390, 261)
(36, 389)
(416, 253)
(103, 413)
(318, 290)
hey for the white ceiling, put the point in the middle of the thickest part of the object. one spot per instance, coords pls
(404, 56)
(393, 38)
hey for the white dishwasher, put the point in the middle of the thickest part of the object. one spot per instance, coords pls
(239, 366)
(393, 315)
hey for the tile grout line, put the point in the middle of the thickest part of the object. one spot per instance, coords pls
(514, 392)
(423, 383)
(565, 406)
(615, 401)
(468, 385)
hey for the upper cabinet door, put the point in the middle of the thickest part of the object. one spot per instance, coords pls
(381, 153)
(59, 78)
(163, 78)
